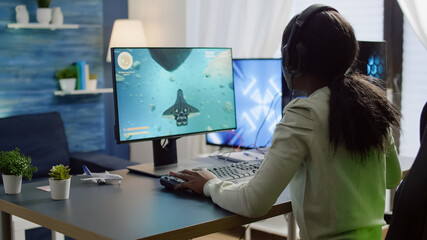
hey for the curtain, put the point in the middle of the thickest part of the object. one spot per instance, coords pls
(415, 12)
(252, 28)
(414, 86)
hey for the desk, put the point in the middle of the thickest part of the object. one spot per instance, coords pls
(140, 208)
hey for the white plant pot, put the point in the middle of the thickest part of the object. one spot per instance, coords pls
(44, 15)
(12, 184)
(91, 84)
(59, 189)
(67, 84)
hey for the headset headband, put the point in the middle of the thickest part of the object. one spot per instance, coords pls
(302, 19)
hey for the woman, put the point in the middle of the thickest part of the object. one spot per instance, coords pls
(334, 148)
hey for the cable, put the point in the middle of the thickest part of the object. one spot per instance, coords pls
(275, 115)
(222, 156)
(229, 139)
(266, 116)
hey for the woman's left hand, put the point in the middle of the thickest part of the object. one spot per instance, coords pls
(195, 180)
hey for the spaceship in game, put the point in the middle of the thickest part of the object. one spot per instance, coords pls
(181, 111)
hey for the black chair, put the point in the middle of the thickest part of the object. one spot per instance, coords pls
(42, 137)
(409, 216)
(423, 121)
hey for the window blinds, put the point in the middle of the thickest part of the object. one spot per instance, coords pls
(414, 90)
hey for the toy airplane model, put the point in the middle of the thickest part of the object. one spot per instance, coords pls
(181, 111)
(101, 178)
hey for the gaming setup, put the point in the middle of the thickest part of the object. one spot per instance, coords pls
(161, 94)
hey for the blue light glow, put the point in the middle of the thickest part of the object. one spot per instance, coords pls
(258, 84)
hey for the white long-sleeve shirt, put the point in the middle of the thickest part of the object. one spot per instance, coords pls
(334, 196)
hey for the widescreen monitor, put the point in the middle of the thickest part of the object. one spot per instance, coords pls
(258, 89)
(165, 93)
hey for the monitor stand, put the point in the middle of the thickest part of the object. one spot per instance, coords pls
(165, 159)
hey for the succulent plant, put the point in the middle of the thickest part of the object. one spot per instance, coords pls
(60, 172)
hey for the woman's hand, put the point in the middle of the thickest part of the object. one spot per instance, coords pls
(195, 180)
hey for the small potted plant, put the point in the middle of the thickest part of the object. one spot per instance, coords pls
(44, 13)
(93, 79)
(67, 78)
(14, 166)
(59, 182)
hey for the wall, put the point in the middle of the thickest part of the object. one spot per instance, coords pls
(112, 10)
(29, 59)
(163, 20)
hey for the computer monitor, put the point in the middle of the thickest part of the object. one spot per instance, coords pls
(161, 94)
(371, 61)
(258, 89)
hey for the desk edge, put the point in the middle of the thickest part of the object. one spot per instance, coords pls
(48, 222)
(221, 224)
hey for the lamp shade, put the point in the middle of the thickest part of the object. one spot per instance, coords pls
(126, 33)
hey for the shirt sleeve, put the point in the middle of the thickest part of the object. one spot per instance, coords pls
(290, 144)
(393, 171)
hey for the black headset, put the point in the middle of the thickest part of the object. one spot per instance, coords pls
(294, 53)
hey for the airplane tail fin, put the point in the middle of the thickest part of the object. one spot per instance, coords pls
(86, 170)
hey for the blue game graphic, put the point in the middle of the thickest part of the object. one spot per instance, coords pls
(258, 89)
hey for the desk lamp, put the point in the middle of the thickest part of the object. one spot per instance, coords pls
(126, 33)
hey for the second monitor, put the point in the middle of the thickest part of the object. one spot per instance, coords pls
(258, 90)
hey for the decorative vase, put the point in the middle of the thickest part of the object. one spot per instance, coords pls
(22, 15)
(57, 16)
(59, 189)
(12, 184)
(44, 15)
(67, 84)
(91, 84)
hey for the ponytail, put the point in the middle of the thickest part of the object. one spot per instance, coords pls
(360, 115)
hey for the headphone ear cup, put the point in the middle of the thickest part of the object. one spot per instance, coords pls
(301, 58)
(285, 57)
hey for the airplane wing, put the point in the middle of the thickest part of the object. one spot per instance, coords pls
(169, 113)
(192, 111)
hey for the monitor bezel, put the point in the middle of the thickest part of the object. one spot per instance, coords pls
(359, 64)
(281, 101)
(175, 136)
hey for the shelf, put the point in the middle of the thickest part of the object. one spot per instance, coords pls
(42, 26)
(82, 92)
